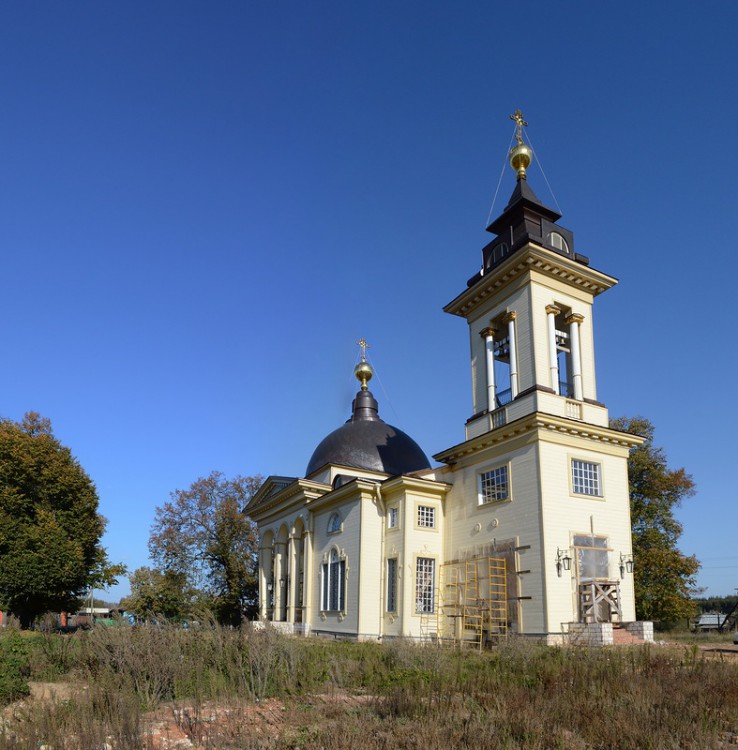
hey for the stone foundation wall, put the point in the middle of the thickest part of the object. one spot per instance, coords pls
(590, 634)
(290, 628)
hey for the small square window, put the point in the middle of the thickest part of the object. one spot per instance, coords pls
(393, 518)
(585, 478)
(494, 486)
(426, 517)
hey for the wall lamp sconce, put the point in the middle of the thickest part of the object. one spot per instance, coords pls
(270, 586)
(626, 564)
(563, 561)
(282, 582)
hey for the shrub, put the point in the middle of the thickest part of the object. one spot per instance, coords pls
(14, 668)
(312, 693)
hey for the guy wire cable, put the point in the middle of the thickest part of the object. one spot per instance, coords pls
(540, 166)
(502, 172)
(386, 395)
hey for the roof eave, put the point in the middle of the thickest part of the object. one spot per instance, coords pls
(531, 257)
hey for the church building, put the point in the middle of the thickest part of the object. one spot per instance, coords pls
(523, 528)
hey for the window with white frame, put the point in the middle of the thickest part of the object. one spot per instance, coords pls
(334, 583)
(392, 584)
(426, 517)
(393, 518)
(585, 478)
(558, 242)
(425, 582)
(334, 523)
(592, 557)
(494, 485)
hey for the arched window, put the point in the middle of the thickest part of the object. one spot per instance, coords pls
(499, 251)
(334, 583)
(334, 524)
(557, 240)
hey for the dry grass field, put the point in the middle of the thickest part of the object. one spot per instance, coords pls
(217, 689)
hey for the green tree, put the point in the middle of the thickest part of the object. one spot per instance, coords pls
(664, 576)
(203, 535)
(157, 592)
(50, 530)
(723, 604)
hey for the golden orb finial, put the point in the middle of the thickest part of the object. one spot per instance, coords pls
(363, 371)
(521, 155)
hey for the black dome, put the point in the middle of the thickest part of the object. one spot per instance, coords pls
(367, 442)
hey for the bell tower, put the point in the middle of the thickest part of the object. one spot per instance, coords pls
(539, 469)
(529, 311)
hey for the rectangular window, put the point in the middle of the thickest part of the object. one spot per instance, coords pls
(335, 577)
(494, 485)
(426, 517)
(425, 581)
(333, 590)
(393, 518)
(324, 588)
(592, 556)
(392, 585)
(585, 478)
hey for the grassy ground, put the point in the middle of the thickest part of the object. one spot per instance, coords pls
(711, 637)
(240, 689)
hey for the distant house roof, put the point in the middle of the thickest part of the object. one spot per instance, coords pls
(710, 620)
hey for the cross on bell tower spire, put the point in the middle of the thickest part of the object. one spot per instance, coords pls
(517, 116)
(364, 346)
(521, 155)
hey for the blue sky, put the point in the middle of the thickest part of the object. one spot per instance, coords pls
(204, 205)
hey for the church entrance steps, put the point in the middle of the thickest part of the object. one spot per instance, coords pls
(598, 634)
(622, 637)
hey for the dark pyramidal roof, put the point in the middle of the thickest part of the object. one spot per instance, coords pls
(522, 198)
(525, 219)
(367, 442)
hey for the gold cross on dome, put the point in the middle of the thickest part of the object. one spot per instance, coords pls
(517, 116)
(364, 346)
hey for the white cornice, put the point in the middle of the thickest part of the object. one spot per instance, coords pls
(356, 486)
(530, 258)
(415, 483)
(300, 490)
(538, 422)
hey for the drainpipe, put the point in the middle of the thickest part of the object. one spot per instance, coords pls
(382, 566)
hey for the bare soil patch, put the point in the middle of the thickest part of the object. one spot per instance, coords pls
(721, 648)
(189, 726)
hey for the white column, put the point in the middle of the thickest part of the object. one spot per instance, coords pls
(292, 577)
(262, 586)
(279, 569)
(488, 334)
(267, 566)
(574, 322)
(300, 577)
(510, 320)
(307, 579)
(553, 361)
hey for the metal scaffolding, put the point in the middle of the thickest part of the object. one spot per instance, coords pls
(472, 602)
